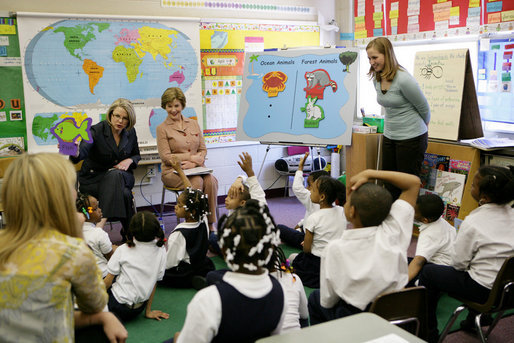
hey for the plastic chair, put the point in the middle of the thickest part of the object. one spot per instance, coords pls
(500, 300)
(406, 308)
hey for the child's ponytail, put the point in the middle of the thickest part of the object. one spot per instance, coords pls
(83, 205)
(497, 183)
(197, 203)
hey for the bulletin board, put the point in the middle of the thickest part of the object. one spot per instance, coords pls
(13, 135)
(369, 18)
(498, 11)
(404, 16)
(223, 47)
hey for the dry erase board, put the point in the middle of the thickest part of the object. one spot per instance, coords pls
(446, 79)
(299, 96)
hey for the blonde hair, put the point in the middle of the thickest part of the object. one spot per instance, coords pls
(171, 94)
(37, 194)
(391, 66)
(128, 107)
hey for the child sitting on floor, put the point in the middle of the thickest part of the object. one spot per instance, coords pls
(297, 315)
(294, 237)
(371, 258)
(436, 236)
(188, 243)
(247, 303)
(96, 238)
(138, 265)
(240, 192)
(321, 227)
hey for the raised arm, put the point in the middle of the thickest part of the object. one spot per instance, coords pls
(409, 184)
(175, 164)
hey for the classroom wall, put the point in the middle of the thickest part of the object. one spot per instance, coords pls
(222, 158)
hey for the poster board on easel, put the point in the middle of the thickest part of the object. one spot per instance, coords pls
(446, 79)
(299, 97)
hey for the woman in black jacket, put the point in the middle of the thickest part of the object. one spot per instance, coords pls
(107, 170)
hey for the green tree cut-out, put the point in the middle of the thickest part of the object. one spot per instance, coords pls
(253, 58)
(347, 58)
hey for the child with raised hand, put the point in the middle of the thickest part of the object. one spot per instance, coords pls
(321, 227)
(243, 189)
(484, 240)
(436, 235)
(297, 315)
(189, 241)
(294, 237)
(96, 238)
(239, 193)
(247, 303)
(371, 258)
(138, 265)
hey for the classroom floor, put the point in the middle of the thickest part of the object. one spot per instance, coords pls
(287, 211)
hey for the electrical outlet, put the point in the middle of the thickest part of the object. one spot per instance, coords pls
(150, 170)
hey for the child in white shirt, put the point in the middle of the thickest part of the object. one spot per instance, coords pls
(297, 315)
(371, 258)
(96, 238)
(138, 265)
(321, 227)
(240, 191)
(247, 303)
(485, 239)
(294, 236)
(436, 236)
(188, 243)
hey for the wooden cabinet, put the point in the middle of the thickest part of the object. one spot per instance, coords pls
(363, 153)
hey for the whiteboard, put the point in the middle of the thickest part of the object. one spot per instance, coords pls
(303, 97)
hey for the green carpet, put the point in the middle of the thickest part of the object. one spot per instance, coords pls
(175, 301)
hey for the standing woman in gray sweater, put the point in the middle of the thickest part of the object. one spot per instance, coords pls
(407, 113)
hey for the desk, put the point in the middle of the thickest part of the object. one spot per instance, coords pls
(361, 327)
(363, 153)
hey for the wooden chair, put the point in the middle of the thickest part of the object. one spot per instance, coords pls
(406, 308)
(500, 300)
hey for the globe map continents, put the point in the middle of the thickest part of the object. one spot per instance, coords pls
(80, 64)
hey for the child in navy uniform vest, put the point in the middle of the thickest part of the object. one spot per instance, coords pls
(188, 243)
(247, 303)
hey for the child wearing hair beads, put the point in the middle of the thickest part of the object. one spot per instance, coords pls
(321, 227)
(96, 238)
(248, 303)
(138, 265)
(297, 315)
(484, 240)
(188, 243)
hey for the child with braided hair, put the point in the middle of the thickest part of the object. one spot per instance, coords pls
(138, 265)
(297, 315)
(96, 238)
(188, 243)
(247, 303)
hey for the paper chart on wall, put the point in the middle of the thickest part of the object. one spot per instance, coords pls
(299, 97)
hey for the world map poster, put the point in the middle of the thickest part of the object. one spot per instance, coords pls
(75, 68)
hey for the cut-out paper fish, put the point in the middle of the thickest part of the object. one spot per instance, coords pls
(67, 130)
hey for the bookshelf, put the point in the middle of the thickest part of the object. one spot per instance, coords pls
(459, 151)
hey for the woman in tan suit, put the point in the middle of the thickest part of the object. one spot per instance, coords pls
(182, 137)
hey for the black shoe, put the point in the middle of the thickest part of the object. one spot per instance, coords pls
(468, 324)
(198, 282)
